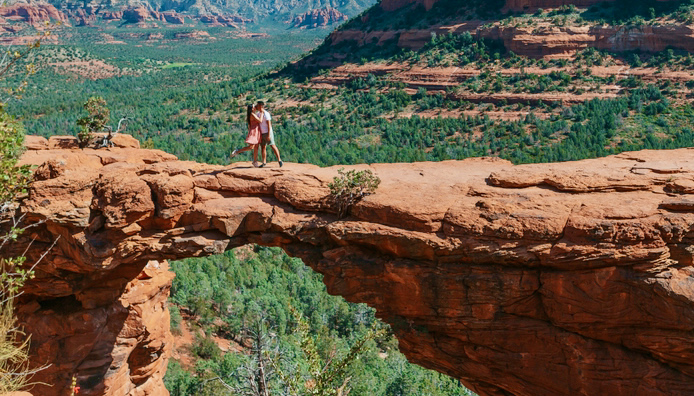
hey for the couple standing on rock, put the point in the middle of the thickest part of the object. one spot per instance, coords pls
(260, 132)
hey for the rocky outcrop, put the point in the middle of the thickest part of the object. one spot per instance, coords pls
(141, 14)
(83, 18)
(112, 15)
(193, 35)
(252, 9)
(173, 18)
(90, 13)
(318, 18)
(549, 279)
(136, 15)
(542, 40)
(511, 5)
(34, 14)
(223, 20)
(553, 41)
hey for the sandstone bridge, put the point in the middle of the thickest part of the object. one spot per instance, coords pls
(548, 279)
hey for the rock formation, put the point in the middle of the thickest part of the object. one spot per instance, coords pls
(82, 18)
(543, 40)
(317, 18)
(511, 5)
(251, 9)
(112, 15)
(193, 35)
(33, 14)
(445, 79)
(549, 279)
(136, 15)
(223, 20)
(173, 18)
(552, 41)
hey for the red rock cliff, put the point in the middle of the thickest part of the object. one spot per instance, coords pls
(543, 40)
(511, 5)
(33, 14)
(551, 279)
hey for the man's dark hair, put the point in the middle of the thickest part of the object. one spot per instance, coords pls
(261, 103)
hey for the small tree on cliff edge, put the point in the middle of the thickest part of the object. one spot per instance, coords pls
(96, 120)
(350, 187)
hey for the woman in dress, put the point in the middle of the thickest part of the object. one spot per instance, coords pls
(253, 138)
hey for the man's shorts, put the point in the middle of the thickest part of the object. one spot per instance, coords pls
(267, 139)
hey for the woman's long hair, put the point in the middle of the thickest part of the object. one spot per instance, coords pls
(249, 110)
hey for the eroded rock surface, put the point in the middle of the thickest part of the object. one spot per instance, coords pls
(543, 40)
(319, 17)
(550, 279)
(33, 14)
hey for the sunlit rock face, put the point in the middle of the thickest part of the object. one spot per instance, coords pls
(549, 279)
(33, 14)
(509, 5)
(318, 18)
(541, 39)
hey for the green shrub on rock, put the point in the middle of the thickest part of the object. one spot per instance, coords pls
(349, 187)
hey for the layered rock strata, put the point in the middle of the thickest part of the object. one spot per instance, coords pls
(540, 39)
(510, 5)
(34, 14)
(549, 279)
(543, 40)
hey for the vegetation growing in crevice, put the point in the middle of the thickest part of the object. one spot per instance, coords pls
(349, 187)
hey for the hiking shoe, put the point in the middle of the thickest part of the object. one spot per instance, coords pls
(281, 163)
(255, 164)
(262, 165)
(234, 153)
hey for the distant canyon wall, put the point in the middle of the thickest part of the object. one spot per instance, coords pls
(511, 5)
(541, 41)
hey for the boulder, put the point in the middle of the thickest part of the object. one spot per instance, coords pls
(121, 140)
(63, 142)
(32, 142)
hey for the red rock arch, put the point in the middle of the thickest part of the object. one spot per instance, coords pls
(548, 279)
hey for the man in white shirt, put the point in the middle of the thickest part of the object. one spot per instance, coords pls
(267, 135)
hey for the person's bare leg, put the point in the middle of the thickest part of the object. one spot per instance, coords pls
(263, 148)
(243, 150)
(255, 153)
(277, 153)
(239, 151)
